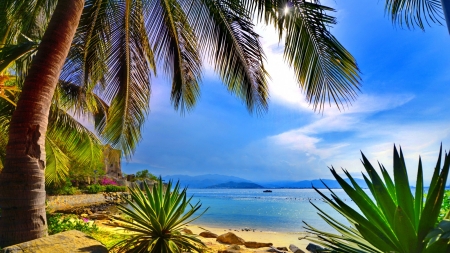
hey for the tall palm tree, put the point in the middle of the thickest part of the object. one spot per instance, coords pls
(108, 48)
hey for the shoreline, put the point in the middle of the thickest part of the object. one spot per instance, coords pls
(278, 239)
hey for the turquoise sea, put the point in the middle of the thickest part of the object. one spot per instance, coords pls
(282, 210)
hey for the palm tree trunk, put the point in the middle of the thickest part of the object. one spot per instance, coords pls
(22, 181)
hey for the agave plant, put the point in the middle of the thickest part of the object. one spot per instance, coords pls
(392, 219)
(157, 217)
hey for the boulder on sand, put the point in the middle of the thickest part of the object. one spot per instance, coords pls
(295, 249)
(65, 242)
(255, 245)
(230, 238)
(187, 231)
(231, 249)
(208, 234)
(314, 248)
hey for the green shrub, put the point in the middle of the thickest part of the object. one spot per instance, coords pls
(57, 224)
(445, 208)
(66, 189)
(115, 188)
(95, 188)
(392, 219)
(157, 216)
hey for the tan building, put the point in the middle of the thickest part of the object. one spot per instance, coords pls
(112, 162)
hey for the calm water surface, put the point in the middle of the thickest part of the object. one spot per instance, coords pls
(281, 210)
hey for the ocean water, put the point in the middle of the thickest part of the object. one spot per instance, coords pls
(282, 210)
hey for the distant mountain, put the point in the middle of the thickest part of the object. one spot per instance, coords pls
(236, 185)
(204, 181)
(216, 181)
(331, 183)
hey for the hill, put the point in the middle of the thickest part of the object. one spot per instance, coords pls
(236, 185)
(204, 181)
(331, 183)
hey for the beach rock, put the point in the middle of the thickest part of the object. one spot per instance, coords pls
(230, 238)
(295, 249)
(208, 234)
(277, 249)
(65, 242)
(255, 245)
(98, 216)
(187, 231)
(313, 248)
(231, 249)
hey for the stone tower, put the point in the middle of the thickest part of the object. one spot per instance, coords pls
(112, 162)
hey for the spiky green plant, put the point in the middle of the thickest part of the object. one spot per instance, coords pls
(157, 217)
(392, 219)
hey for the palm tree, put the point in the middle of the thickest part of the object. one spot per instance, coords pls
(107, 49)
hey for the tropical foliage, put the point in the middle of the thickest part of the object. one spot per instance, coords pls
(412, 13)
(144, 174)
(70, 147)
(58, 223)
(444, 213)
(392, 218)
(115, 37)
(157, 217)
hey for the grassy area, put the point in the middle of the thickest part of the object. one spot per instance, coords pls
(108, 238)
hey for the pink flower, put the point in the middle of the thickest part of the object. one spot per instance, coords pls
(85, 219)
(107, 181)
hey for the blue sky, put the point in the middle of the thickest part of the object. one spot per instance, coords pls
(404, 100)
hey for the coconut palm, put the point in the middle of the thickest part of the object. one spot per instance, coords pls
(107, 49)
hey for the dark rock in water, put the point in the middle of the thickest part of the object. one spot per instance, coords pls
(295, 249)
(208, 234)
(69, 241)
(230, 238)
(255, 245)
(313, 248)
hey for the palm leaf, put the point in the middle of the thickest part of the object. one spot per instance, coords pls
(128, 85)
(413, 13)
(325, 70)
(176, 48)
(227, 39)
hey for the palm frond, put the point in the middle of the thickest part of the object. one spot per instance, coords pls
(9, 54)
(26, 18)
(58, 163)
(227, 38)
(6, 110)
(128, 84)
(413, 13)
(86, 63)
(176, 47)
(324, 69)
(70, 144)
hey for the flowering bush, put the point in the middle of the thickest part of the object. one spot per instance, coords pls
(107, 181)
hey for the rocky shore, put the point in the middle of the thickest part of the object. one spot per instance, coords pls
(99, 211)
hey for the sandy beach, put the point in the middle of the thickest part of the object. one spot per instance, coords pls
(278, 239)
